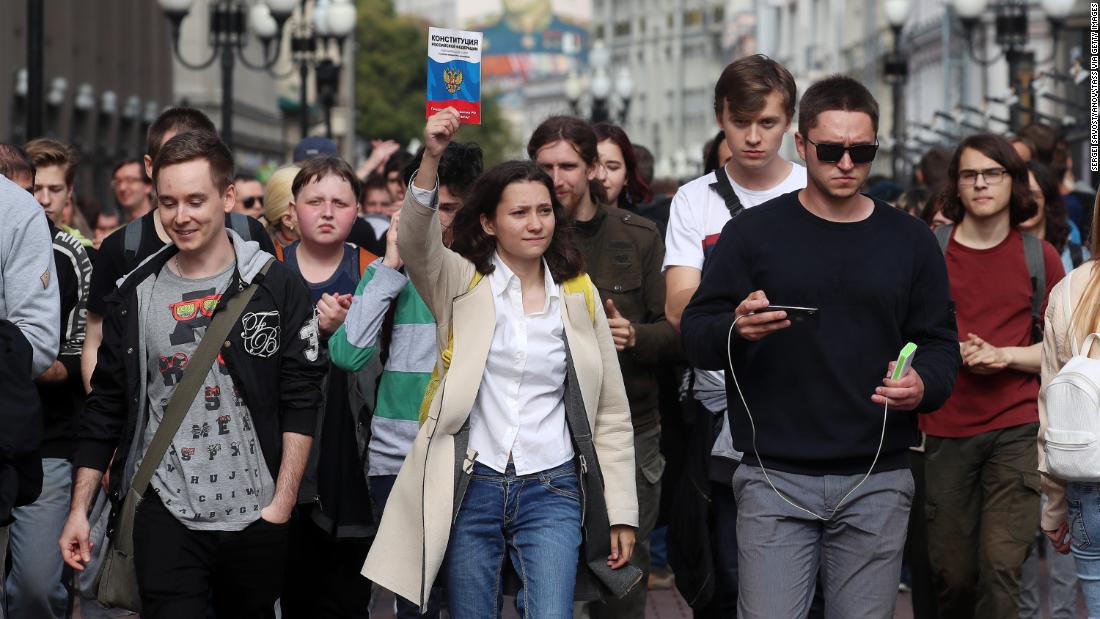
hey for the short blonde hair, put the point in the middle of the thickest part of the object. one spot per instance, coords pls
(278, 195)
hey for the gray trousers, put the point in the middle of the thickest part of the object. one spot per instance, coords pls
(858, 552)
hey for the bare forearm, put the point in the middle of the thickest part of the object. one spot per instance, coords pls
(426, 174)
(295, 454)
(93, 336)
(84, 489)
(680, 284)
(1025, 358)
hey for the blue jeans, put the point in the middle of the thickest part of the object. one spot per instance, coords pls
(35, 587)
(533, 519)
(1083, 515)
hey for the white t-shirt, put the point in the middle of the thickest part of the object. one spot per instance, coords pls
(695, 222)
(698, 214)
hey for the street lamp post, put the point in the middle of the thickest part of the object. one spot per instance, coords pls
(228, 39)
(1011, 27)
(600, 86)
(333, 21)
(35, 70)
(895, 69)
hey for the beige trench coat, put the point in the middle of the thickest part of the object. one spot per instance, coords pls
(408, 551)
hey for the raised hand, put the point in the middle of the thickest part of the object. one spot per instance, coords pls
(392, 259)
(439, 131)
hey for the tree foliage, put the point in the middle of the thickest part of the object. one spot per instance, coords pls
(390, 81)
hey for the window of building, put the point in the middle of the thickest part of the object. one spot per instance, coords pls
(622, 28)
(693, 18)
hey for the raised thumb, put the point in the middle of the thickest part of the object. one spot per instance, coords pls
(612, 312)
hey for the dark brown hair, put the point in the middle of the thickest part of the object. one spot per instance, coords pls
(473, 243)
(577, 133)
(710, 152)
(46, 152)
(138, 161)
(1021, 205)
(1056, 220)
(746, 83)
(836, 92)
(192, 145)
(318, 168)
(644, 157)
(1049, 147)
(375, 180)
(179, 120)
(15, 162)
(933, 168)
(459, 165)
(636, 192)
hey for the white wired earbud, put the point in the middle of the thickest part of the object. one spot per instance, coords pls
(881, 439)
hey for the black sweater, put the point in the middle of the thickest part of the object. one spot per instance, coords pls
(879, 283)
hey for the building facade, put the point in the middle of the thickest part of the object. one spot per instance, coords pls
(958, 80)
(107, 74)
(675, 50)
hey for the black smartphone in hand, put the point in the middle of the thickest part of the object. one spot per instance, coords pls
(809, 316)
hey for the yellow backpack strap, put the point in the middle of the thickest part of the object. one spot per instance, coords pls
(445, 360)
(583, 284)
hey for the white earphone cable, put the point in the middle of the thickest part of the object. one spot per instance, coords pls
(737, 385)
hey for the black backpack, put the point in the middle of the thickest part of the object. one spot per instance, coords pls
(131, 241)
(20, 424)
(688, 507)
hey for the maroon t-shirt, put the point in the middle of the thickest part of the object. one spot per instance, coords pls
(992, 293)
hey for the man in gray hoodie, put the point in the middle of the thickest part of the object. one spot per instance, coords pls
(30, 328)
(28, 286)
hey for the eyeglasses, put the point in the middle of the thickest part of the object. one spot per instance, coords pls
(186, 310)
(248, 202)
(833, 153)
(992, 176)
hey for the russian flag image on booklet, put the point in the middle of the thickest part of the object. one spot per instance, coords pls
(454, 73)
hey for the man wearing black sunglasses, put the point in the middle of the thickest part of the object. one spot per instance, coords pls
(250, 196)
(824, 489)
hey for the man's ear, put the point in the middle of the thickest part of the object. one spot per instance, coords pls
(230, 198)
(487, 225)
(148, 165)
(800, 145)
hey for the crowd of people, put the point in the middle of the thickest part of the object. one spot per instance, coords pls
(553, 378)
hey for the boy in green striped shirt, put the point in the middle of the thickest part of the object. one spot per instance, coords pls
(388, 318)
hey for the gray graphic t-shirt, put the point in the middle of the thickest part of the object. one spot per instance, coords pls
(214, 476)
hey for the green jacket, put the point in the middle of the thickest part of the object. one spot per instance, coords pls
(623, 253)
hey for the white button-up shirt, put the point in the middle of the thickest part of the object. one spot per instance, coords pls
(520, 406)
